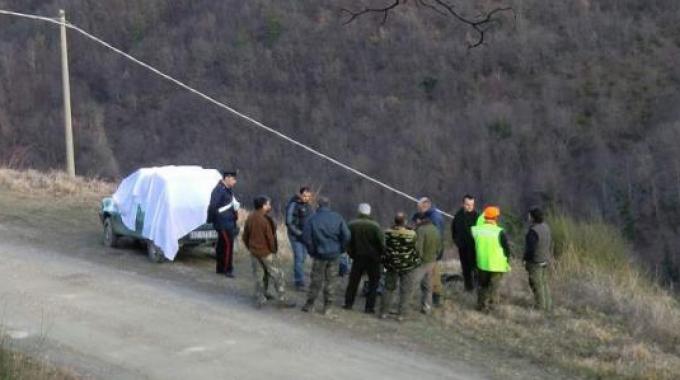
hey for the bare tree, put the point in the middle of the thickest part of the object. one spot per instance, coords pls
(479, 24)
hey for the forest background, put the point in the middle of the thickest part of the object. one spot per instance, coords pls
(572, 105)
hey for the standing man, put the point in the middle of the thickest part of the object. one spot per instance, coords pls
(537, 255)
(493, 255)
(298, 211)
(366, 249)
(428, 246)
(223, 214)
(259, 236)
(461, 230)
(426, 210)
(400, 260)
(326, 236)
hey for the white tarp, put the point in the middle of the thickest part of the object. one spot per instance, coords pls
(174, 200)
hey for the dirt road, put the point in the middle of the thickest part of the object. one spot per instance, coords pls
(110, 322)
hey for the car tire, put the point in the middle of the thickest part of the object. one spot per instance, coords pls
(110, 238)
(154, 252)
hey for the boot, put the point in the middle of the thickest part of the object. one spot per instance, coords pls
(436, 300)
(309, 306)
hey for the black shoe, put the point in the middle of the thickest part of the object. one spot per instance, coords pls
(436, 300)
(369, 311)
(347, 307)
(308, 307)
(229, 274)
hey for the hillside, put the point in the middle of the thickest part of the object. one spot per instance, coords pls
(609, 322)
(570, 104)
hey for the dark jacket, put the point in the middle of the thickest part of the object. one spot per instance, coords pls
(461, 229)
(226, 220)
(428, 242)
(325, 234)
(297, 214)
(259, 234)
(538, 248)
(400, 250)
(367, 239)
(434, 215)
(436, 218)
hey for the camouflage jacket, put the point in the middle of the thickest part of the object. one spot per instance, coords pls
(400, 250)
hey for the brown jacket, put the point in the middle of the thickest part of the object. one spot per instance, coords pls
(259, 234)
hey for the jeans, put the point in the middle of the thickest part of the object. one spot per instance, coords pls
(299, 255)
(344, 265)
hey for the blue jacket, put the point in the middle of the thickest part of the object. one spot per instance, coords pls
(326, 234)
(435, 217)
(226, 220)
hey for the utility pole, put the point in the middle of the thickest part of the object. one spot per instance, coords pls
(68, 127)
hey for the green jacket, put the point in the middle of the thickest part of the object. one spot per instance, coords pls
(368, 239)
(428, 242)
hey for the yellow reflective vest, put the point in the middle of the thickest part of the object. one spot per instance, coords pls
(490, 256)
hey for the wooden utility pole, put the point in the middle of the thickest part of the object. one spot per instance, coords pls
(68, 128)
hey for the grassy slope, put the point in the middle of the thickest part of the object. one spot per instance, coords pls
(609, 321)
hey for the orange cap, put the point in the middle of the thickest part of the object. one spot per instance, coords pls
(492, 213)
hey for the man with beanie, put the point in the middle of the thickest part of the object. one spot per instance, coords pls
(223, 214)
(537, 256)
(493, 256)
(366, 249)
(400, 260)
(461, 231)
(326, 236)
(259, 236)
(298, 211)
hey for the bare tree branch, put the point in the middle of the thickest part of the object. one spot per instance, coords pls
(480, 24)
(385, 11)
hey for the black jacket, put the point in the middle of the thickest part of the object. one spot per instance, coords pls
(461, 229)
(297, 214)
(222, 196)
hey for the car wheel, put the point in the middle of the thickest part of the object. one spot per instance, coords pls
(154, 253)
(110, 237)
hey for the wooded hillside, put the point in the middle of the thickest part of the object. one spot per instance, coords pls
(572, 104)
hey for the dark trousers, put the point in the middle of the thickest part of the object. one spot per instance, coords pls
(468, 263)
(224, 252)
(487, 294)
(362, 265)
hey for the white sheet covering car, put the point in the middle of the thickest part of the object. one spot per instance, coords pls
(174, 201)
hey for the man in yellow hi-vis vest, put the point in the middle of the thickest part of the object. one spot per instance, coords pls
(493, 256)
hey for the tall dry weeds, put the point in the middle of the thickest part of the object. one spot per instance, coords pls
(595, 270)
(53, 183)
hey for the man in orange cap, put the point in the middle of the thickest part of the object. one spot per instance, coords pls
(493, 256)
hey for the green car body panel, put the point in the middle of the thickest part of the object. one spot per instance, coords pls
(109, 210)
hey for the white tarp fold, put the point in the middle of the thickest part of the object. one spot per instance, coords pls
(174, 200)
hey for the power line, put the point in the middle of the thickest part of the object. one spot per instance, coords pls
(217, 103)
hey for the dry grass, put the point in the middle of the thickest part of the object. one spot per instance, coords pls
(54, 183)
(609, 321)
(18, 366)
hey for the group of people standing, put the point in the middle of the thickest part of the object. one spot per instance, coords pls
(405, 256)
